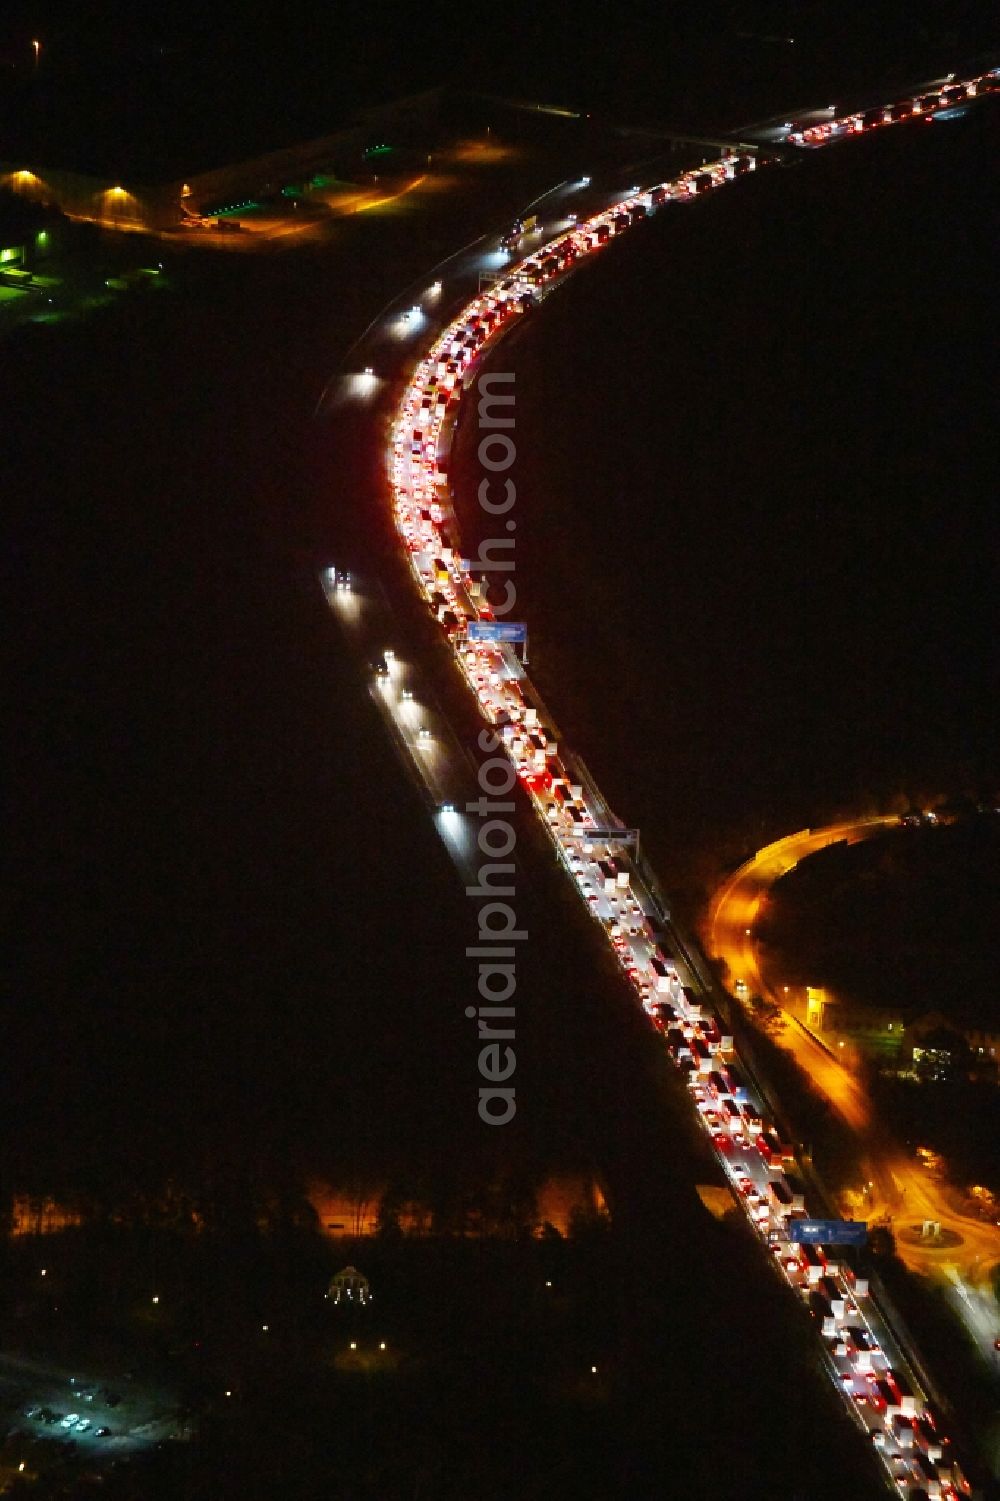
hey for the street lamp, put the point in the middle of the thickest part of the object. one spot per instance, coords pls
(37, 49)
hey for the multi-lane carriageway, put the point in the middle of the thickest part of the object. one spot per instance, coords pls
(600, 856)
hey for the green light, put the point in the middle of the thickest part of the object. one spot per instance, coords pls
(42, 239)
(12, 253)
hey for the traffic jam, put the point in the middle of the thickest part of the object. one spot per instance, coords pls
(920, 107)
(596, 852)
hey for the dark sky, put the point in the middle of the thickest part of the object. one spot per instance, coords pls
(187, 86)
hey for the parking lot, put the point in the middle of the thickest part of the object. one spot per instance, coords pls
(52, 1415)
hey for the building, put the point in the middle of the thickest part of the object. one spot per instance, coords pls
(879, 1027)
(130, 199)
(350, 1286)
(923, 1037)
(29, 233)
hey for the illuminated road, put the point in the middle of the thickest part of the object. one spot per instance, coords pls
(904, 1190)
(668, 975)
(730, 936)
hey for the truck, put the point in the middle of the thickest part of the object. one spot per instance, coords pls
(814, 1264)
(869, 1356)
(924, 1433)
(797, 1190)
(905, 1394)
(927, 1475)
(737, 1084)
(778, 1197)
(773, 1150)
(901, 1428)
(720, 1085)
(661, 974)
(821, 1310)
(677, 1044)
(701, 1056)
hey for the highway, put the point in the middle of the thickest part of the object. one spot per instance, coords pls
(905, 1190)
(669, 976)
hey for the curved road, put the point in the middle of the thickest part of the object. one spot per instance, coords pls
(903, 1189)
(599, 853)
(730, 936)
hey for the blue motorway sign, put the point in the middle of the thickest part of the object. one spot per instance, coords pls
(498, 631)
(828, 1232)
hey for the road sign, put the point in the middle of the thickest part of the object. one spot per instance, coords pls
(498, 631)
(828, 1232)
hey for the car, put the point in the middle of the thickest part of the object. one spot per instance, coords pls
(102, 1432)
(423, 733)
(81, 1426)
(380, 667)
(69, 1420)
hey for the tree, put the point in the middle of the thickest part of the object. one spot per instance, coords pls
(766, 1014)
